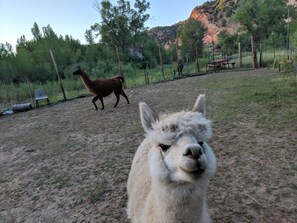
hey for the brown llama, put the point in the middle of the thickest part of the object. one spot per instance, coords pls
(102, 87)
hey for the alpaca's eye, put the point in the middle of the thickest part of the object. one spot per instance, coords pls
(164, 147)
(201, 143)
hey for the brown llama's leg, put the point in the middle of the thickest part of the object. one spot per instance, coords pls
(125, 96)
(95, 99)
(117, 94)
(101, 99)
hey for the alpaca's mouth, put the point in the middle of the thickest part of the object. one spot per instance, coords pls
(198, 171)
(193, 166)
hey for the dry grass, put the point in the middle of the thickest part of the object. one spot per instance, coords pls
(69, 163)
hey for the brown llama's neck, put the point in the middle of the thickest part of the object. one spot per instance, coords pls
(87, 81)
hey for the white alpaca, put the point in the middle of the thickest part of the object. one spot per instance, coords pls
(172, 168)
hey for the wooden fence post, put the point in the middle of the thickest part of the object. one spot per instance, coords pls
(59, 78)
(261, 55)
(273, 43)
(197, 62)
(240, 55)
(288, 35)
(177, 53)
(146, 77)
(254, 54)
(213, 50)
(120, 65)
(161, 61)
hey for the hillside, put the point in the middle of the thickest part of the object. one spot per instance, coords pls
(214, 20)
(292, 2)
(211, 14)
(166, 35)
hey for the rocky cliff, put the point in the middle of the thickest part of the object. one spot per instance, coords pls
(213, 19)
(293, 2)
(165, 35)
(210, 15)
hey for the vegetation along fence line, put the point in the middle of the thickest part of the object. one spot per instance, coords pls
(12, 93)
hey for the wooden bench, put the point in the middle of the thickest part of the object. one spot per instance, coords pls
(214, 66)
(229, 63)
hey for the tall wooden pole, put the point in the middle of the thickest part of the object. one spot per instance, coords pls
(240, 54)
(288, 35)
(261, 55)
(59, 78)
(213, 56)
(197, 62)
(119, 61)
(273, 43)
(161, 61)
(120, 64)
(253, 56)
(254, 59)
(177, 54)
(177, 59)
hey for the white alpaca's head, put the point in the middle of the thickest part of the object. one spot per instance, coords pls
(180, 152)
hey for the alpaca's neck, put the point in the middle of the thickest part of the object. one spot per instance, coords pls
(181, 204)
(87, 81)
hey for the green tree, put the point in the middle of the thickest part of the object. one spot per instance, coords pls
(122, 25)
(227, 42)
(190, 33)
(245, 41)
(33, 60)
(49, 33)
(261, 17)
(6, 51)
(7, 70)
(89, 37)
(293, 26)
(36, 32)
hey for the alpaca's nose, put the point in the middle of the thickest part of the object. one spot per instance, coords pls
(193, 151)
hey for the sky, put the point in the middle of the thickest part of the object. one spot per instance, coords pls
(73, 17)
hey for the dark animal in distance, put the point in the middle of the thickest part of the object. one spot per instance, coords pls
(102, 87)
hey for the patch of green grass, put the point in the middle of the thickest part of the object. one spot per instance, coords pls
(48, 176)
(69, 144)
(60, 180)
(41, 177)
(94, 192)
(256, 97)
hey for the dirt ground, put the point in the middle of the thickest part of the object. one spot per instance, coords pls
(70, 163)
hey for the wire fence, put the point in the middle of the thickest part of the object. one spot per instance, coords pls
(270, 53)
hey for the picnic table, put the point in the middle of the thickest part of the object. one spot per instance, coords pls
(220, 63)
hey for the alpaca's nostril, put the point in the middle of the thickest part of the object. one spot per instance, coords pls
(193, 151)
(188, 152)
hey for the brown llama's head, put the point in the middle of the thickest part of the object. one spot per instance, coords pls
(77, 71)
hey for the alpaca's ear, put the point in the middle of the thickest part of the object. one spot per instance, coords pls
(200, 105)
(147, 116)
(78, 67)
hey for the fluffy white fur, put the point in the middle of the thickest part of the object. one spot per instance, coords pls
(170, 185)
